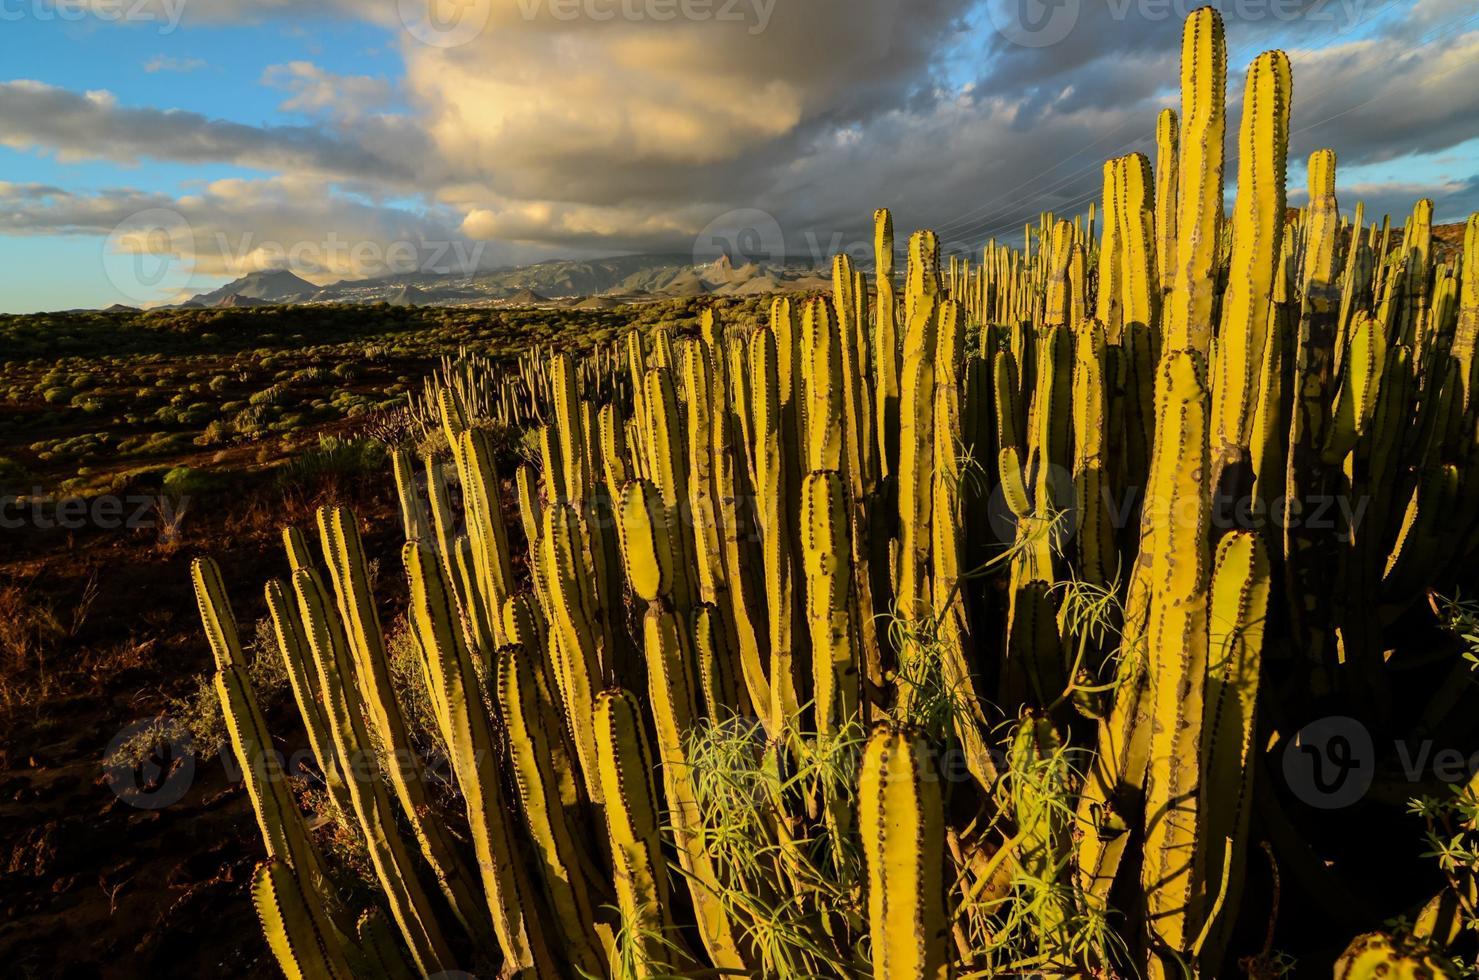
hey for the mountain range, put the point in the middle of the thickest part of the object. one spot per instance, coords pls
(588, 283)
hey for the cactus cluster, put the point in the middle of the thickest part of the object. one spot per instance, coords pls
(943, 626)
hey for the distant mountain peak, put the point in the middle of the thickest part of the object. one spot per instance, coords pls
(269, 285)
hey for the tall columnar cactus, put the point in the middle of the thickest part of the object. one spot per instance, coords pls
(541, 770)
(1306, 552)
(1167, 137)
(577, 667)
(1257, 241)
(822, 384)
(483, 498)
(296, 930)
(1416, 285)
(358, 620)
(885, 342)
(1095, 536)
(916, 455)
(723, 516)
(1110, 309)
(1141, 309)
(901, 819)
(468, 734)
(830, 615)
(775, 529)
(670, 475)
(702, 513)
(413, 517)
(216, 614)
(409, 904)
(673, 693)
(1466, 334)
(1188, 312)
(625, 765)
(1176, 507)
(283, 830)
(1235, 628)
(292, 644)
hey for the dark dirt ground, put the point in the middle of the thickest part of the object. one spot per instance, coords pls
(98, 629)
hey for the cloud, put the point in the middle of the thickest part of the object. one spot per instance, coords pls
(160, 63)
(93, 126)
(1379, 99)
(315, 91)
(669, 110)
(552, 130)
(1453, 200)
(234, 227)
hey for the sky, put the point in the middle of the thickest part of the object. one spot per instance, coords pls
(153, 149)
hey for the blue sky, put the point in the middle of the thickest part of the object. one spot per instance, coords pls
(309, 125)
(213, 69)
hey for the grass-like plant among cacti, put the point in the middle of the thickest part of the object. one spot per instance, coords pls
(740, 677)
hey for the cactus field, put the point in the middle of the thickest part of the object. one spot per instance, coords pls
(738, 676)
(1094, 604)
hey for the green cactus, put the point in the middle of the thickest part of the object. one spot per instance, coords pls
(1257, 242)
(468, 733)
(1378, 955)
(410, 906)
(1238, 608)
(1176, 509)
(1188, 311)
(296, 931)
(901, 819)
(775, 529)
(1167, 136)
(624, 764)
(292, 644)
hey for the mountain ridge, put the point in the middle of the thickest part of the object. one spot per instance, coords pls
(620, 278)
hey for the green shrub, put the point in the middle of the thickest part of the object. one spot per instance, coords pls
(336, 456)
(183, 481)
